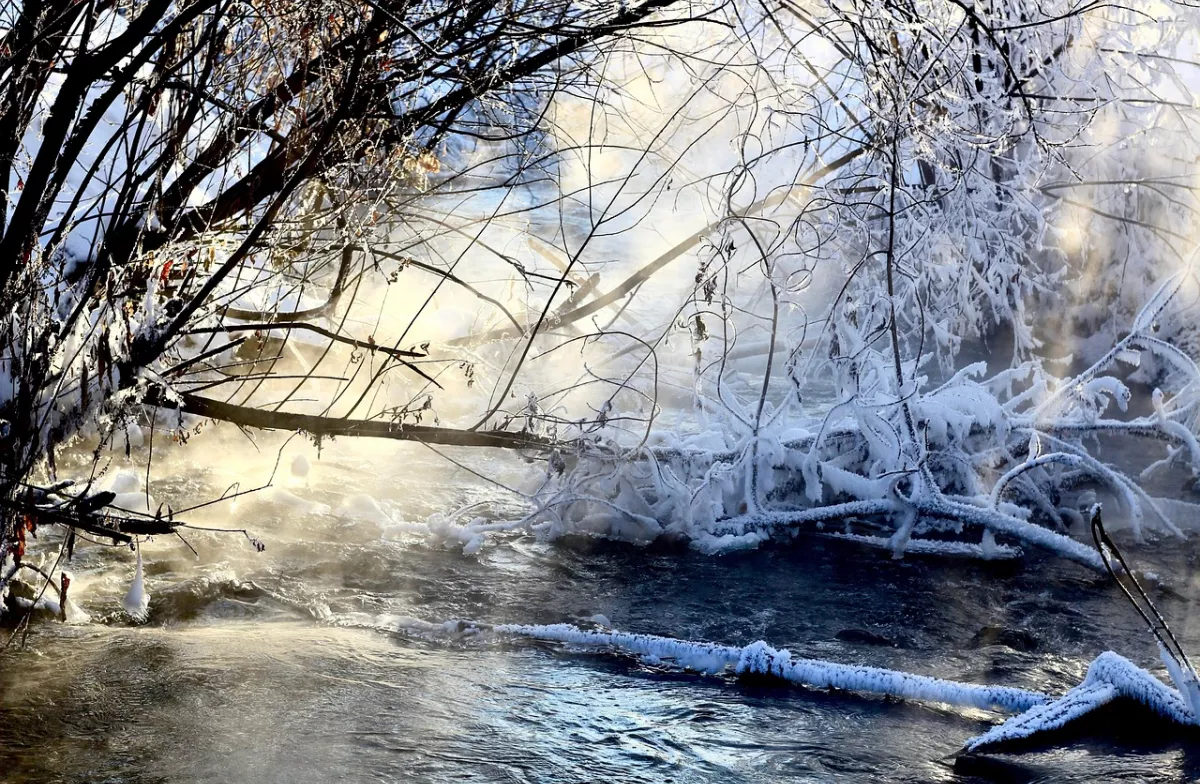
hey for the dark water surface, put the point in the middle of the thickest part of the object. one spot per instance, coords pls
(287, 666)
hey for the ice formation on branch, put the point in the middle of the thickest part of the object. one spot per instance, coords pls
(1108, 677)
(950, 549)
(851, 403)
(1003, 457)
(137, 601)
(759, 658)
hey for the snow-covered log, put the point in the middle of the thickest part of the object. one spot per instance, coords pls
(1109, 677)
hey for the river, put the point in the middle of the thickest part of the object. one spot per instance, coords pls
(289, 665)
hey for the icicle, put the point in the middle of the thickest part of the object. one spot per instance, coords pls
(1184, 678)
(899, 540)
(137, 600)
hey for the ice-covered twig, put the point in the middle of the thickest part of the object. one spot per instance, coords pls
(1144, 321)
(930, 506)
(1169, 648)
(1109, 676)
(1175, 429)
(1030, 464)
(1128, 492)
(939, 547)
(1011, 526)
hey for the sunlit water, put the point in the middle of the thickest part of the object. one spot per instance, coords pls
(287, 666)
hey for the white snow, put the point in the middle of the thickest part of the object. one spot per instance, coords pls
(1108, 677)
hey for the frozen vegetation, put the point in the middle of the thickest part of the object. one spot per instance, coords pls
(727, 274)
(1109, 677)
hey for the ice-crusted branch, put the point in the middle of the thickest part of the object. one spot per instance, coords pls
(933, 507)
(759, 658)
(1109, 677)
(1030, 464)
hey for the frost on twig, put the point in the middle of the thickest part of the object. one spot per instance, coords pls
(997, 463)
(1110, 677)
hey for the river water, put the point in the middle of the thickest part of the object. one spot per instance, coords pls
(289, 665)
(293, 664)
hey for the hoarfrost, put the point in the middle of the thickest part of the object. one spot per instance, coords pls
(1108, 677)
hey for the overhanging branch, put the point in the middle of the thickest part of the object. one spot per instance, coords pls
(248, 416)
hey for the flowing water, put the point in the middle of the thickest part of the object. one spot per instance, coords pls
(289, 665)
(292, 665)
